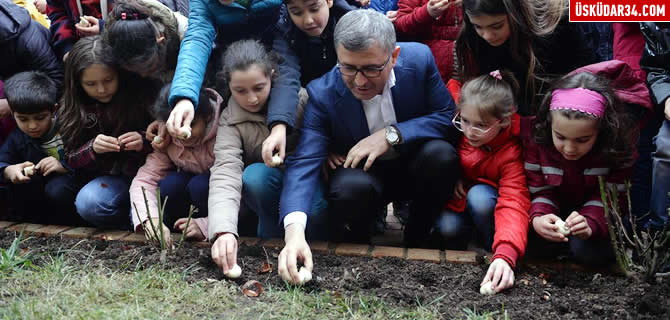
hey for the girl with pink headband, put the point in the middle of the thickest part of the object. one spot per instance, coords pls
(581, 132)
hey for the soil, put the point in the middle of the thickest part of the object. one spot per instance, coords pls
(539, 292)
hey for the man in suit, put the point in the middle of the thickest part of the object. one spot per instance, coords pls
(386, 111)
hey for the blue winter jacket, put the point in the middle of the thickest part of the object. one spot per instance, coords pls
(234, 22)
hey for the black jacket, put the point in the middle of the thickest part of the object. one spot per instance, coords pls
(656, 60)
(24, 45)
(18, 148)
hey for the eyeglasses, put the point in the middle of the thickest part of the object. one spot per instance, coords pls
(475, 130)
(368, 72)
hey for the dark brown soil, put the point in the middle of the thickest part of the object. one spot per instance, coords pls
(449, 287)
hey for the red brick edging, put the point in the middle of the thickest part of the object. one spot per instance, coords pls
(345, 249)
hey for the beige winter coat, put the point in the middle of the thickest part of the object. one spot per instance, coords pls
(238, 144)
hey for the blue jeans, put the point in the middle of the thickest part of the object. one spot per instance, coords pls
(480, 203)
(587, 252)
(105, 202)
(660, 186)
(182, 190)
(261, 188)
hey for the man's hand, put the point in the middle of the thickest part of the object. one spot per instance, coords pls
(92, 29)
(224, 251)
(371, 147)
(14, 173)
(546, 227)
(149, 232)
(296, 248)
(181, 116)
(578, 226)
(392, 15)
(131, 141)
(104, 144)
(5, 111)
(158, 129)
(50, 164)
(437, 7)
(275, 142)
(500, 274)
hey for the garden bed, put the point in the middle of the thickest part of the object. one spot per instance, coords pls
(539, 292)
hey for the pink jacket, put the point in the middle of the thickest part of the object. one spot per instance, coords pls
(196, 157)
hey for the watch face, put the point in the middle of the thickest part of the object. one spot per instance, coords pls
(392, 137)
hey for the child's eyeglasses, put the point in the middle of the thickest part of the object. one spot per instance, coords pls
(368, 72)
(474, 130)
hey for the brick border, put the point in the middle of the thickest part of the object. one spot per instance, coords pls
(344, 249)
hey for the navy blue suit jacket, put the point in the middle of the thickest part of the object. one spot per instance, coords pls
(335, 121)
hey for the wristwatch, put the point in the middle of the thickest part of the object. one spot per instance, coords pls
(392, 135)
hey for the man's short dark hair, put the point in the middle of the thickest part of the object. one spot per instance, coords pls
(31, 92)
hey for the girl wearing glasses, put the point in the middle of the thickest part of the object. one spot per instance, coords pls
(492, 196)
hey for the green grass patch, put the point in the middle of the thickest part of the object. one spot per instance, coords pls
(62, 289)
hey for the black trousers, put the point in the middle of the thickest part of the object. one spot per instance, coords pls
(426, 175)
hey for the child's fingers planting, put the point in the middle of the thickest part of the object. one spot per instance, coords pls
(231, 250)
(218, 254)
(282, 267)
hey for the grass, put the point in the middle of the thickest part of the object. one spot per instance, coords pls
(59, 288)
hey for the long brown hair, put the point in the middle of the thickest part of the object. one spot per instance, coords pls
(527, 19)
(73, 115)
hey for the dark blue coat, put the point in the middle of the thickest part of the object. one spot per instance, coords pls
(335, 121)
(24, 45)
(19, 148)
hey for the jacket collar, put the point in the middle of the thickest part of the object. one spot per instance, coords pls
(235, 114)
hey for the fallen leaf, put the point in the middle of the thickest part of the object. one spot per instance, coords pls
(252, 288)
(267, 267)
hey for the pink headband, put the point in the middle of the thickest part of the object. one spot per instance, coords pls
(578, 99)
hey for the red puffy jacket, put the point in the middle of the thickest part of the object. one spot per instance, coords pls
(500, 164)
(414, 22)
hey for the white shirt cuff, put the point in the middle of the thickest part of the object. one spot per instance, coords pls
(298, 217)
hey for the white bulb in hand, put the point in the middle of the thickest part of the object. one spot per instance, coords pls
(304, 276)
(562, 227)
(234, 272)
(487, 289)
(83, 22)
(157, 140)
(29, 171)
(276, 160)
(184, 133)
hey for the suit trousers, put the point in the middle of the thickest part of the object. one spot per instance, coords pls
(426, 175)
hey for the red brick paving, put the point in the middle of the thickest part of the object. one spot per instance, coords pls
(384, 251)
(350, 249)
(423, 255)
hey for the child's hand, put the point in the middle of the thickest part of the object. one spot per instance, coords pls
(545, 227)
(364, 3)
(50, 164)
(459, 190)
(158, 129)
(14, 173)
(131, 141)
(392, 15)
(500, 274)
(667, 109)
(578, 226)
(335, 160)
(104, 144)
(181, 116)
(224, 251)
(193, 231)
(41, 6)
(149, 233)
(437, 7)
(274, 143)
(92, 29)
